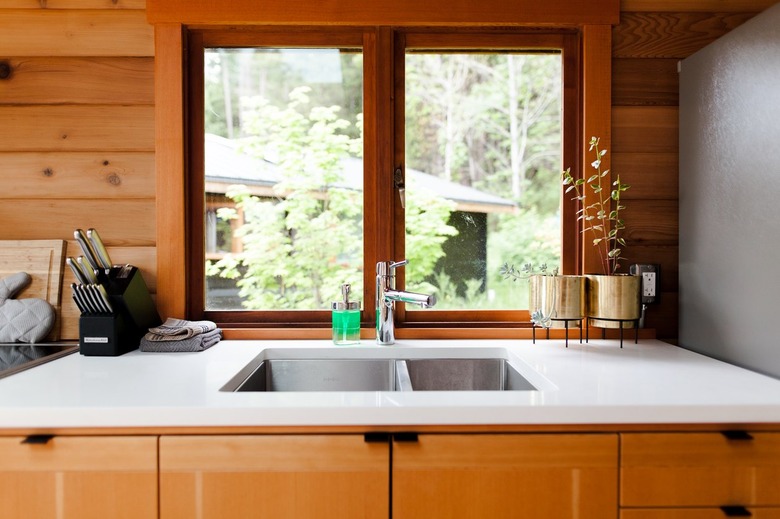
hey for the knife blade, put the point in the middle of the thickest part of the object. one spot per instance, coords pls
(76, 270)
(78, 299)
(89, 254)
(99, 247)
(85, 299)
(104, 298)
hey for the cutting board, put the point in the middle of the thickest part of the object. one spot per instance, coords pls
(44, 261)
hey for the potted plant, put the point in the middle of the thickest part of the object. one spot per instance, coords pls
(551, 297)
(613, 298)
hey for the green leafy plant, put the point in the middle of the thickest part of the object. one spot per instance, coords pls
(510, 272)
(596, 214)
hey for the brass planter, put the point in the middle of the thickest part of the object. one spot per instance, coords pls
(614, 298)
(563, 296)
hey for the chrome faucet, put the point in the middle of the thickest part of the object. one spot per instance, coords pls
(387, 295)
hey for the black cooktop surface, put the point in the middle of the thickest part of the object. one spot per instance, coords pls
(18, 357)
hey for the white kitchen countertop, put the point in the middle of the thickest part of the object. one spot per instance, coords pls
(596, 383)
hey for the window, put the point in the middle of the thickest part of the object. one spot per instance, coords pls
(320, 155)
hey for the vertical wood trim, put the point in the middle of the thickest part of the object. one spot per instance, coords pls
(170, 170)
(597, 114)
(379, 163)
(571, 242)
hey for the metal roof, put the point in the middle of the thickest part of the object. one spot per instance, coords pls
(226, 164)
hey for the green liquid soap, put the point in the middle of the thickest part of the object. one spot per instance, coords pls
(345, 318)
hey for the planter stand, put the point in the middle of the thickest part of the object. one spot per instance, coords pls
(604, 331)
(565, 325)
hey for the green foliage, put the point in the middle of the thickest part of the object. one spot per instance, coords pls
(604, 223)
(301, 247)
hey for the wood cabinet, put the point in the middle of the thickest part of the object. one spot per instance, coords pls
(78, 478)
(286, 476)
(699, 475)
(555, 476)
(434, 475)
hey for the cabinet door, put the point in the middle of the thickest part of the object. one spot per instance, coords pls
(699, 470)
(544, 476)
(287, 476)
(79, 478)
(697, 513)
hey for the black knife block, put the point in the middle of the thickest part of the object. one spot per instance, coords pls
(133, 314)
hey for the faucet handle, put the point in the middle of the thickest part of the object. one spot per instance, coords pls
(395, 264)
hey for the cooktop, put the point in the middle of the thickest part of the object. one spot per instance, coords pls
(16, 357)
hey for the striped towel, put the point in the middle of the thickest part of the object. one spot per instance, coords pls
(178, 330)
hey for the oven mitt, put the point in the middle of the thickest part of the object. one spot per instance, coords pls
(22, 320)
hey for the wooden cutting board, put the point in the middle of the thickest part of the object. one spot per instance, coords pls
(44, 261)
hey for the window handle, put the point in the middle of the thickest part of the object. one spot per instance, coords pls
(398, 181)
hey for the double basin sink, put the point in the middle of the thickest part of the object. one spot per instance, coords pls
(347, 370)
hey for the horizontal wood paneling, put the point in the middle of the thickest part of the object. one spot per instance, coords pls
(77, 132)
(650, 175)
(74, 4)
(384, 12)
(79, 81)
(644, 129)
(50, 175)
(645, 82)
(708, 6)
(76, 128)
(651, 222)
(95, 32)
(131, 222)
(670, 35)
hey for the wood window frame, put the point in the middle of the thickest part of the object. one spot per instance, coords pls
(176, 21)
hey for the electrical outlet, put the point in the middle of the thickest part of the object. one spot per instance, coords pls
(649, 289)
(648, 284)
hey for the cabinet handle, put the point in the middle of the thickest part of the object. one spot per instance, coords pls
(735, 511)
(376, 437)
(38, 439)
(405, 437)
(737, 435)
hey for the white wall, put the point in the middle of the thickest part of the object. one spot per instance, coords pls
(730, 196)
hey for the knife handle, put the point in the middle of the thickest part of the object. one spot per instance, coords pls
(99, 247)
(89, 254)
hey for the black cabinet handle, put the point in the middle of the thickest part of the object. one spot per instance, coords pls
(737, 435)
(376, 437)
(405, 437)
(735, 511)
(38, 439)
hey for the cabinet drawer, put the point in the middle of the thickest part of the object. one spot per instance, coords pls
(79, 478)
(696, 513)
(699, 470)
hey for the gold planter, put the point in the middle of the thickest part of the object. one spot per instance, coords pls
(559, 297)
(612, 299)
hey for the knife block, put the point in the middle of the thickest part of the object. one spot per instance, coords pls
(133, 314)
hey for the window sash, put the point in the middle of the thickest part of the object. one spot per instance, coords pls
(384, 52)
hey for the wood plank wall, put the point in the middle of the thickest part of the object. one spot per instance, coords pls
(653, 35)
(77, 129)
(77, 126)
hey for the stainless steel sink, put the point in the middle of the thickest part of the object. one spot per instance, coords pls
(360, 374)
(465, 375)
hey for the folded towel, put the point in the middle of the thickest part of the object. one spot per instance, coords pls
(179, 329)
(199, 342)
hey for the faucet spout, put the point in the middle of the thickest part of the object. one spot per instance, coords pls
(386, 297)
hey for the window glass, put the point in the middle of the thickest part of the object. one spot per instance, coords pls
(283, 177)
(483, 153)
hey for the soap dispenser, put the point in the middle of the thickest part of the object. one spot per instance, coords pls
(346, 319)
